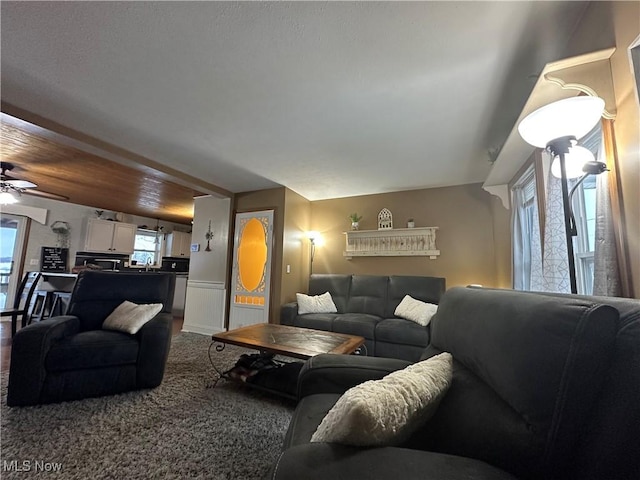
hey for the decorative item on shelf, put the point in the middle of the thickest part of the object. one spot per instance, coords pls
(557, 127)
(411, 223)
(62, 230)
(385, 219)
(355, 221)
(208, 236)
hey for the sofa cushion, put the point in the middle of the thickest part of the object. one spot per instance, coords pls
(96, 348)
(337, 285)
(321, 461)
(541, 360)
(368, 295)
(308, 414)
(315, 303)
(386, 411)
(356, 324)
(401, 331)
(317, 321)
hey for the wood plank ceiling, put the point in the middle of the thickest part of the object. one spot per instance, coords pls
(88, 179)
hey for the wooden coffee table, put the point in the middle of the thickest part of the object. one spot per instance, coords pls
(296, 342)
(289, 341)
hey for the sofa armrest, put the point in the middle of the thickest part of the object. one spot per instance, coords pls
(288, 313)
(320, 461)
(155, 340)
(29, 348)
(330, 373)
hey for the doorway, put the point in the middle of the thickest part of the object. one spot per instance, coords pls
(13, 237)
(251, 272)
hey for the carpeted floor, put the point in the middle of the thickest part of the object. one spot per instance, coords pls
(181, 429)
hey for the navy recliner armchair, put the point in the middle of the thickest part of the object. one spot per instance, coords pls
(71, 357)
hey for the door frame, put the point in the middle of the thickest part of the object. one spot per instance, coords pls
(19, 254)
(230, 250)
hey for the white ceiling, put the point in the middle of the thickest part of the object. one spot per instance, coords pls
(328, 99)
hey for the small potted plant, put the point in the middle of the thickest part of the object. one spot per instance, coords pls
(411, 223)
(355, 221)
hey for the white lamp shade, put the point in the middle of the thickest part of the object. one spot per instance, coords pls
(573, 162)
(7, 198)
(574, 116)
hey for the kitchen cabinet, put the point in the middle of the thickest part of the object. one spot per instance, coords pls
(178, 244)
(110, 237)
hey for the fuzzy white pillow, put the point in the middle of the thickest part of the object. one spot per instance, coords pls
(130, 317)
(315, 303)
(415, 310)
(385, 412)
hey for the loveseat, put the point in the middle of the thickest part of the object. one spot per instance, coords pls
(543, 387)
(72, 356)
(365, 306)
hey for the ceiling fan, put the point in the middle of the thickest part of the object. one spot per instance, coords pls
(15, 187)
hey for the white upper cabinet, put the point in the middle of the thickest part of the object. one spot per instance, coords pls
(110, 237)
(178, 244)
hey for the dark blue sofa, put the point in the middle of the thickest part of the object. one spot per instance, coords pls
(365, 305)
(544, 387)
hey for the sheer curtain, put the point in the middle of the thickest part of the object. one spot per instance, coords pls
(555, 263)
(606, 272)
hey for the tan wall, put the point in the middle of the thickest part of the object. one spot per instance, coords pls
(627, 128)
(295, 251)
(266, 200)
(502, 243)
(466, 239)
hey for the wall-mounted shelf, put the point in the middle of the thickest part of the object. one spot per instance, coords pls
(398, 242)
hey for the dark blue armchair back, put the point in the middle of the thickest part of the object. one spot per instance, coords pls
(96, 294)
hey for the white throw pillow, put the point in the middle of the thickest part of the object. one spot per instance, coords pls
(129, 317)
(385, 412)
(315, 304)
(415, 310)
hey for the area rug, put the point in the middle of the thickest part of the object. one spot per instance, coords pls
(182, 429)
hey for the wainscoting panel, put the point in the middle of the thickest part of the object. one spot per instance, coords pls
(205, 307)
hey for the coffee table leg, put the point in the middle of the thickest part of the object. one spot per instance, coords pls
(219, 347)
(361, 350)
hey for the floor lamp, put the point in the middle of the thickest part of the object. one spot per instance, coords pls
(312, 236)
(557, 127)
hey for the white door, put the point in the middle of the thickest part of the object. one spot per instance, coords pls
(12, 242)
(251, 273)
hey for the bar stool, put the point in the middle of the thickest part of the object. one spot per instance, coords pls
(60, 303)
(42, 305)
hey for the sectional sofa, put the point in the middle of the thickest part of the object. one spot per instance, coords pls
(544, 386)
(365, 306)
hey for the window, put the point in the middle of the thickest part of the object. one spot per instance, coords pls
(584, 209)
(146, 250)
(528, 261)
(526, 230)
